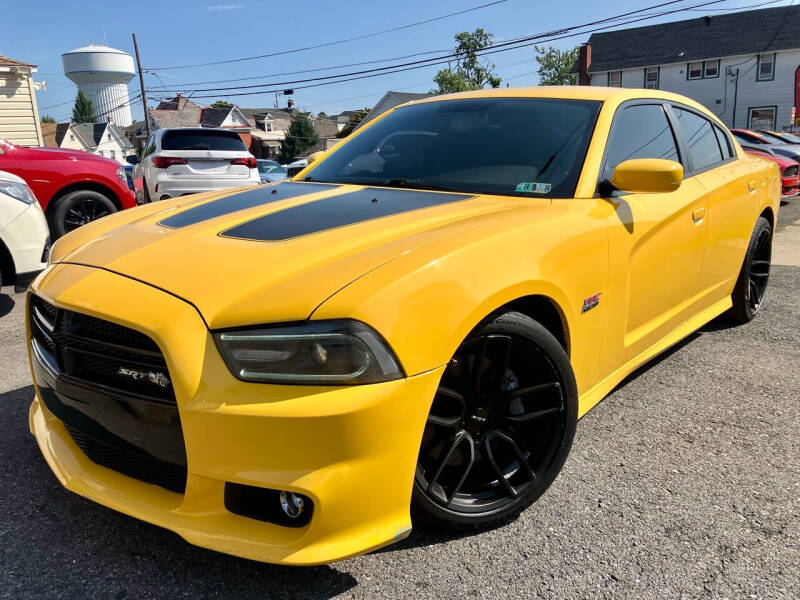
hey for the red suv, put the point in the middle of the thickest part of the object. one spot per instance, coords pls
(73, 187)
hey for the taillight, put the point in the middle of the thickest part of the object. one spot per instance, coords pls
(162, 162)
(250, 163)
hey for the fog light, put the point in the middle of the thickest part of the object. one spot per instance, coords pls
(292, 504)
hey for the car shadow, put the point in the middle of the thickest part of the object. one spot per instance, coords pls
(60, 544)
(6, 304)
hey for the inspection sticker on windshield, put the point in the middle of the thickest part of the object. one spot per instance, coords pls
(533, 187)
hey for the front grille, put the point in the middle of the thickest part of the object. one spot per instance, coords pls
(133, 464)
(94, 351)
(790, 171)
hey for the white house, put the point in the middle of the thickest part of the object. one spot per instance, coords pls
(103, 139)
(743, 66)
(19, 115)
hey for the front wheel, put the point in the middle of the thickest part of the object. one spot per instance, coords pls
(748, 294)
(500, 427)
(79, 208)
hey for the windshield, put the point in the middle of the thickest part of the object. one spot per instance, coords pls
(267, 166)
(199, 139)
(507, 146)
(783, 137)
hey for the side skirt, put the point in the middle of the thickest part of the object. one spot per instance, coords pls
(593, 396)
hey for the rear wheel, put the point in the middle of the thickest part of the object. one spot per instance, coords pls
(500, 426)
(752, 283)
(79, 208)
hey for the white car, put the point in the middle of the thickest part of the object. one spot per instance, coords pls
(24, 235)
(180, 161)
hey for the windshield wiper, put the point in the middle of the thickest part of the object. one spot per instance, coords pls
(416, 184)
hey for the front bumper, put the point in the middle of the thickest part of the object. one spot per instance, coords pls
(27, 237)
(352, 450)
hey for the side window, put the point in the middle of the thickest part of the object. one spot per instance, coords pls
(724, 144)
(639, 131)
(701, 141)
(148, 147)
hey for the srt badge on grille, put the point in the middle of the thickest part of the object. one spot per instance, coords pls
(157, 378)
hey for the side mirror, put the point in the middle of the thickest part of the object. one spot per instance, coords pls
(132, 159)
(647, 176)
(312, 158)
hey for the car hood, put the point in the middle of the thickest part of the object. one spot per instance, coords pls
(271, 253)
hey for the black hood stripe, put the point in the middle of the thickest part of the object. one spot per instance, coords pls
(338, 211)
(249, 199)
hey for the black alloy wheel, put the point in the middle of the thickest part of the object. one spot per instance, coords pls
(500, 426)
(759, 270)
(748, 294)
(84, 212)
(79, 208)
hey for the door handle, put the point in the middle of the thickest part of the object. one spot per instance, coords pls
(698, 214)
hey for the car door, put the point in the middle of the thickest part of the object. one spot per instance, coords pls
(656, 241)
(140, 169)
(730, 185)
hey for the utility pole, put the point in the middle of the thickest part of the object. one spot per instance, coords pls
(735, 96)
(141, 85)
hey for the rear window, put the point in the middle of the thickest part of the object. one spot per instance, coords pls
(202, 140)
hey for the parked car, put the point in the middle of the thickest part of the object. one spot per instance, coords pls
(73, 187)
(781, 137)
(770, 143)
(270, 171)
(750, 136)
(24, 235)
(787, 166)
(297, 369)
(181, 161)
(293, 168)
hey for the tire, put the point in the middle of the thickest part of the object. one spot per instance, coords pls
(748, 294)
(480, 426)
(78, 208)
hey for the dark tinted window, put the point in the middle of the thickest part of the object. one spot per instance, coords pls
(190, 139)
(701, 141)
(639, 131)
(724, 145)
(513, 146)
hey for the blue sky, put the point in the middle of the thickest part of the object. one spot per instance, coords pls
(179, 32)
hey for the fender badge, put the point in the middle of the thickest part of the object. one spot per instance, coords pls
(591, 302)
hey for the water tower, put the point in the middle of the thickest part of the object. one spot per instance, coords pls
(102, 73)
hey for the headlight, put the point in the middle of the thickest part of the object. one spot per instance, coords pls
(121, 174)
(20, 191)
(338, 352)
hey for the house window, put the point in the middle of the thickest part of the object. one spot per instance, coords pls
(651, 78)
(615, 79)
(100, 152)
(761, 117)
(113, 154)
(71, 138)
(766, 67)
(710, 69)
(694, 70)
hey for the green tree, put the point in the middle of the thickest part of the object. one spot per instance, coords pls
(300, 137)
(555, 65)
(83, 111)
(353, 122)
(222, 104)
(47, 119)
(322, 115)
(468, 72)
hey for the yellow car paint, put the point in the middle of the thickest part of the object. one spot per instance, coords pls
(664, 263)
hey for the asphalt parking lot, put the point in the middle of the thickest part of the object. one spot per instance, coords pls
(683, 483)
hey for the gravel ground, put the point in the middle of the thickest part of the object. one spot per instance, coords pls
(683, 483)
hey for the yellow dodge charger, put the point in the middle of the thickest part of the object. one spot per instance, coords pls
(408, 330)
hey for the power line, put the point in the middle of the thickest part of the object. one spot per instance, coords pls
(491, 49)
(327, 44)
